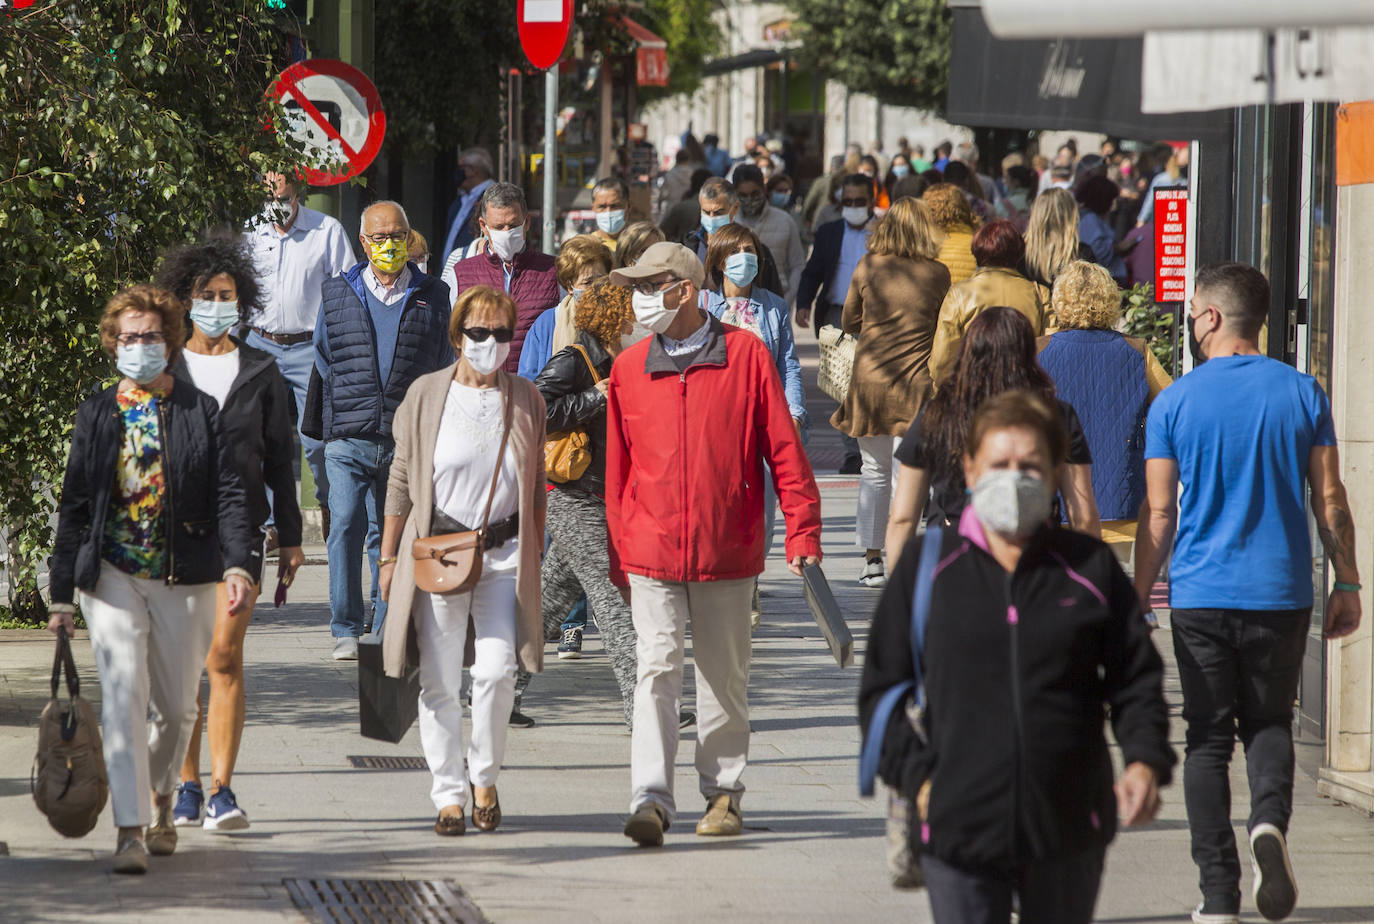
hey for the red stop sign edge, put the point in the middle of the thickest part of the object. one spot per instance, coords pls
(358, 160)
(543, 42)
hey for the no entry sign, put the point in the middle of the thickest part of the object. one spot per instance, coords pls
(1171, 244)
(335, 110)
(544, 26)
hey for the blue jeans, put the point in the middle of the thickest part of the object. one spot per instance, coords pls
(358, 470)
(295, 362)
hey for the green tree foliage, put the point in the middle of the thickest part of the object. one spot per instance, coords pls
(686, 26)
(897, 50)
(125, 127)
(439, 66)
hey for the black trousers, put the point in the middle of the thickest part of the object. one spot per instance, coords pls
(1239, 670)
(1059, 891)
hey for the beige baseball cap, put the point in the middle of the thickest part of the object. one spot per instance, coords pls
(663, 257)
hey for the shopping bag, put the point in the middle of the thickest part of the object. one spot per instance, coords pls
(836, 368)
(828, 616)
(387, 706)
(69, 782)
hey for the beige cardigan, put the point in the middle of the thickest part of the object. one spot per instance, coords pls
(410, 494)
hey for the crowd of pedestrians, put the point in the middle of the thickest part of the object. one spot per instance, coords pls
(608, 433)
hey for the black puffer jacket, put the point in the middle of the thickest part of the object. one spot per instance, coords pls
(573, 400)
(205, 502)
(259, 422)
(1019, 672)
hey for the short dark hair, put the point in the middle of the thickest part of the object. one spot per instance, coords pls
(1021, 176)
(998, 243)
(1239, 290)
(1096, 194)
(748, 173)
(613, 183)
(503, 196)
(860, 179)
(699, 175)
(718, 188)
(711, 140)
(684, 156)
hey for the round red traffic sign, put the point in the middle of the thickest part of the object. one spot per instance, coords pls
(335, 110)
(544, 27)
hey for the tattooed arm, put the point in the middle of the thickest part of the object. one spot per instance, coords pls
(1337, 529)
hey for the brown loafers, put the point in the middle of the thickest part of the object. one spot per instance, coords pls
(451, 822)
(486, 817)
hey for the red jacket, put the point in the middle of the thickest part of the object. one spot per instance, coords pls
(533, 285)
(684, 462)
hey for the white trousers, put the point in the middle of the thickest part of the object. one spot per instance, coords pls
(150, 642)
(718, 612)
(875, 491)
(441, 623)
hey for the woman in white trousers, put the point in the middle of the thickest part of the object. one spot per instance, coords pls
(469, 450)
(152, 515)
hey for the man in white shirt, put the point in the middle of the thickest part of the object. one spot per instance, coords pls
(295, 249)
(476, 173)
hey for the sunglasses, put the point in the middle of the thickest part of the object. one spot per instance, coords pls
(480, 334)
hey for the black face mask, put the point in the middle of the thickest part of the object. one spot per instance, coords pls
(1195, 345)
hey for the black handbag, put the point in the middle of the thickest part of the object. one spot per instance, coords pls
(387, 706)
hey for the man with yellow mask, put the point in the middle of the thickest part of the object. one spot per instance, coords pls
(382, 324)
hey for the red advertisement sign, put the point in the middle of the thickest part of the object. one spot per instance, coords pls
(1171, 244)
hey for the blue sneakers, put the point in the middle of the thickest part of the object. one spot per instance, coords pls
(223, 813)
(190, 807)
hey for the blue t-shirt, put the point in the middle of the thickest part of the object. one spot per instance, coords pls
(538, 348)
(1241, 429)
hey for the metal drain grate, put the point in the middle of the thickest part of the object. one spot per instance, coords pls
(355, 901)
(369, 762)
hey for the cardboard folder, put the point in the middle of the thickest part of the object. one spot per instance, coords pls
(828, 615)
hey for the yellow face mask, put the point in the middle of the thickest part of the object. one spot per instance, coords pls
(389, 256)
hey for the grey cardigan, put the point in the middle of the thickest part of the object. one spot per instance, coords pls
(410, 494)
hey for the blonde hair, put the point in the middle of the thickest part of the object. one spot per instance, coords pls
(148, 299)
(1051, 234)
(416, 245)
(577, 255)
(907, 230)
(1086, 297)
(633, 241)
(470, 301)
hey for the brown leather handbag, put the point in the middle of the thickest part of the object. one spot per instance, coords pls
(567, 453)
(452, 563)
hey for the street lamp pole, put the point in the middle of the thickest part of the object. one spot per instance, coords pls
(550, 155)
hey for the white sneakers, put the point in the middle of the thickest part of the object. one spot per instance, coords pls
(1276, 891)
(345, 649)
(872, 575)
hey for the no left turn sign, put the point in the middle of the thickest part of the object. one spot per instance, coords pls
(336, 112)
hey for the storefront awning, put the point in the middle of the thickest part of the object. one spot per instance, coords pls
(651, 54)
(1090, 85)
(759, 57)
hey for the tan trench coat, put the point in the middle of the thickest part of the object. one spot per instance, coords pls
(410, 494)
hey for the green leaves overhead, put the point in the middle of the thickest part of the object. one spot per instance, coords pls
(897, 50)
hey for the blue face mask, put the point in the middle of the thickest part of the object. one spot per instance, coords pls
(141, 362)
(900, 170)
(780, 199)
(214, 318)
(610, 222)
(741, 268)
(713, 223)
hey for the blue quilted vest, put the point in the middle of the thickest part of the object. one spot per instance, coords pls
(356, 403)
(1103, 377)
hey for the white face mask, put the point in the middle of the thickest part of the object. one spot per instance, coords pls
(485, 357)
(506, 244)
(611, 222)
(1010, 502)
(214, 318)
(650, 312)
(855, 215)
(634, 336)
(423, 266)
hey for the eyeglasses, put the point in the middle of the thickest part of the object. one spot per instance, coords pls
(480, 334)
(649, 288)
(397, 236)
(854, 203)
(150, 337)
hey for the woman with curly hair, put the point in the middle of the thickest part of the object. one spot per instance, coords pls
(574, 385)
(217, 280)
(997, 355)
(1111, 380)
(949, 207)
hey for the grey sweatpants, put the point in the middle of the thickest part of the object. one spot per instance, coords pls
(577, 561)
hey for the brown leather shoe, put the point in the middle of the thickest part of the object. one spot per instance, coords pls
(451, 822)
(722, 818)
(486, 817)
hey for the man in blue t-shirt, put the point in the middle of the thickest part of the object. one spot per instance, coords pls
(1242, 433)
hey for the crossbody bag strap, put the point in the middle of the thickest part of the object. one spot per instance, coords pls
(500, 457)
(596, 376)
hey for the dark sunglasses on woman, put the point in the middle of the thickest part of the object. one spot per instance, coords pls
(479, 334)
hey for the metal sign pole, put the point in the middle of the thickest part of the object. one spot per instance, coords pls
(550, 155)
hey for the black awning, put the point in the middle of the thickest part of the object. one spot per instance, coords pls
(1060, 84)
(749, 59)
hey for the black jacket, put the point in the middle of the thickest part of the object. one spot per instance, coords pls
(204, 499)
(259, 421)
(768, 277)
(1020, 671)
(573, 400)
(819, 269)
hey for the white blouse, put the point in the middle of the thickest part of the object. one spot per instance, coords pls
(464, 458)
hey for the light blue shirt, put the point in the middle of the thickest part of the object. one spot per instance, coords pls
(464, 210)
(852, 249)
(293, 266)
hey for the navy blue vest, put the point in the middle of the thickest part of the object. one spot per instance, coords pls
(356, 403)
(1103, 377)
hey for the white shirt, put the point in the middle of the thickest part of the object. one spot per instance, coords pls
(213, 375)
(464, 457)
(293, 266)
(852, 249)
(387, 295)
